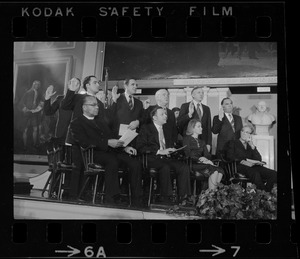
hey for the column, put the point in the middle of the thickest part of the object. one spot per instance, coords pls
(90, 58)
(205, 91)
(177, 97)
(188, 91)
(265, 146)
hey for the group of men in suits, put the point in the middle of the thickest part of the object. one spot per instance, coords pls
(94, 124)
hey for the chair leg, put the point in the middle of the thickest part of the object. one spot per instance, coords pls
(83, 187)
(48, 182)
(150, 191)
(61, 183)
(56, 179)
(95, 189)
(195, 187)
(102, 195)
(129, 193)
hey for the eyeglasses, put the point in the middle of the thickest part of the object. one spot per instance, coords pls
(92, 104)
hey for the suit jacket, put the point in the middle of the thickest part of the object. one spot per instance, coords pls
(63, 119)
(183, 120)
(237, 151)
(169, 127)
(148, 140)
(87, 132)
(122, 113)
(73, 101)
(224, 130)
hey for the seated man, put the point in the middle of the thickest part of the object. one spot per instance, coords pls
(243, 148)
(155, 140)
(86, 131)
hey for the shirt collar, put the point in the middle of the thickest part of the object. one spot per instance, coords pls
(88, 117)
(157, 126)
(196, 103)
(243, 141)
(127, 96)
(86, 92)
(228, 115)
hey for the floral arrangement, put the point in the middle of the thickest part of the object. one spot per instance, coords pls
(232, 202)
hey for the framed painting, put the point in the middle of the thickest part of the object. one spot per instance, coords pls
(49, 71)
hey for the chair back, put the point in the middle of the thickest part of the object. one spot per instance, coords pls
(87, 157)
(90, 167)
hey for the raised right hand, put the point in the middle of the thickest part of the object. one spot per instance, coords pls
(114, 93)
(191, 109)
(73, 84)
(221, 114)
(49, 92)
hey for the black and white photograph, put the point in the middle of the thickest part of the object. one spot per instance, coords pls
(145, 130)
(148, 130)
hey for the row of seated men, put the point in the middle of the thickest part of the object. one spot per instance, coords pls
(84, 120)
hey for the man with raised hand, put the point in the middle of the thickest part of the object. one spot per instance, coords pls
(196, 110)
(127, 109)
(227, 125)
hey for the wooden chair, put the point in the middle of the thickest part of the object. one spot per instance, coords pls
(60, 164)
(92, 170)
(97, 171)
(151, 174)
(197, 176)
(231, 173)
(50, 156)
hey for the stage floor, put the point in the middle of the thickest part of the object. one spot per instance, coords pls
(34, 206)
(34, 170)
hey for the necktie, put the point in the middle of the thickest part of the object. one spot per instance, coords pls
(231, 121)
(161, 138)
(199, 111)
(130, 102)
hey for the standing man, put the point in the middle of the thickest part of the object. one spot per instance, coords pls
(127, 109)
(227, 125)
(157, 142)
(64, 116)
(196, 110)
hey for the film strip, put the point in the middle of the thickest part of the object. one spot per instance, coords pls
(79, 38)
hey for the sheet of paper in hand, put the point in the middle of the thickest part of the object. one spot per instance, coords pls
(177, 149)
(128, 136)
(252, 162)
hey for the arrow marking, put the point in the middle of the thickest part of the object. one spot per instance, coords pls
(72, 252)
(216, 252)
